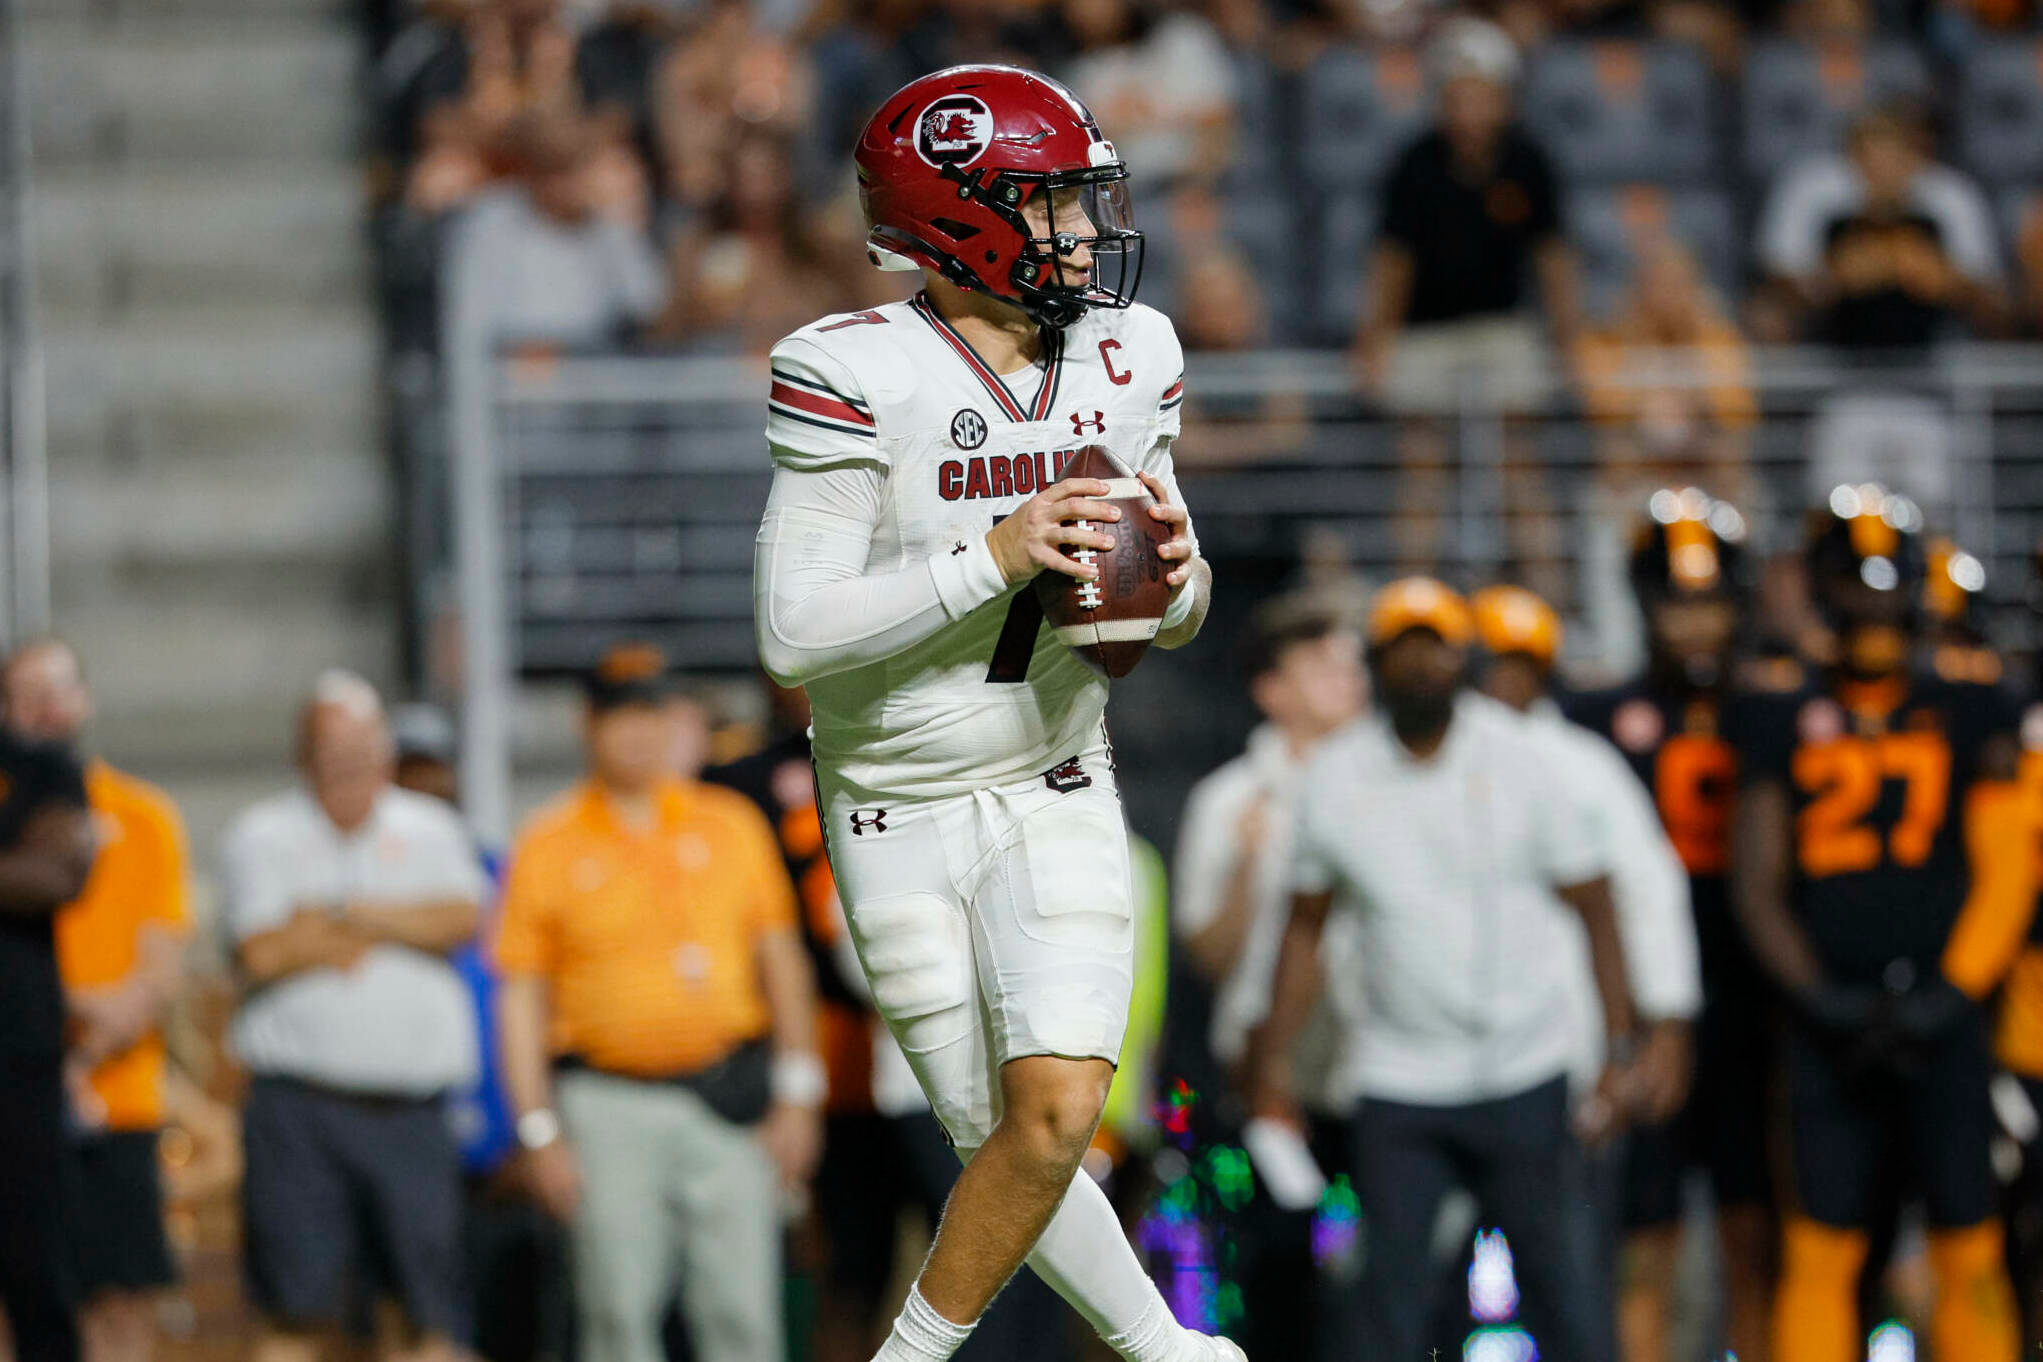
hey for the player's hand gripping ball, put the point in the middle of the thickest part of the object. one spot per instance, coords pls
(1109, 620)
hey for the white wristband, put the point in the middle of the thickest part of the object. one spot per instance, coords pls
(799, 1079)
(538, 1129)
(1180, 608)
(966, 577)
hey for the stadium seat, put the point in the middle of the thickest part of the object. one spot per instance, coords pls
(1799, 98)
(1343, 229)
(1608, 225)
(1260, 147)
(2000, 111)
(1613, 111)
(1357, 111)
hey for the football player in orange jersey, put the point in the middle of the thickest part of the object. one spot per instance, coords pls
(1883, 868)
(1688, 570)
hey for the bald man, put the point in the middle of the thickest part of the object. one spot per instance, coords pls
(343, 899)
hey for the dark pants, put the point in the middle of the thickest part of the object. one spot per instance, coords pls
(2025, 1231)
(36, 1284)
(1520, 1160)
(342, 1189)
(1925, 1125)
(522, 1301)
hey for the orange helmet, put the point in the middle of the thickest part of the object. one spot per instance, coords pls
(1419, 603)
(1510, 619)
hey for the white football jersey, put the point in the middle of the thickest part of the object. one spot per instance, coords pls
(992, 696)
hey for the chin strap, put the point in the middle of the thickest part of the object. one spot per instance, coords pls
(892, 262)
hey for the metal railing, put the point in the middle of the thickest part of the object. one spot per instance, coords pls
(594, 497)
(24, 470)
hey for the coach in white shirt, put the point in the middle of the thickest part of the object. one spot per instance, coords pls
(342, 900)
(1437, 824)
(1232, 893)
(1521, 635)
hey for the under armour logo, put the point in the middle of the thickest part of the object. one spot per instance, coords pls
(957, 548)
(1098, 424)
(861, 820)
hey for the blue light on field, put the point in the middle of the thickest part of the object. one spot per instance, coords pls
(1891, 1342)
(1492, 1285)
(1505, 1343)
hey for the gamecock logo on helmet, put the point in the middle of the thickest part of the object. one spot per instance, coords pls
(955, 130)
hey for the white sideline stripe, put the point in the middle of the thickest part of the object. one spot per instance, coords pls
(1106, 631)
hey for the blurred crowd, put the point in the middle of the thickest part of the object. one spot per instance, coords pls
(1852, 173)
(1469, 995)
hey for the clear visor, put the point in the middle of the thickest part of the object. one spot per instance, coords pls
(1091, 235)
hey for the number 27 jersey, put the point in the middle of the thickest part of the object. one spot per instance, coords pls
(992, 696)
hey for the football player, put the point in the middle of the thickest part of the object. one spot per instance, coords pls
(966, 783)
(1688, 571)
(1883, 867)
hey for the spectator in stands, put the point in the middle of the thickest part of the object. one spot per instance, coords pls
(1437, 826)
(341, 901)
(1878, 246)
(119, 946)
(1162, 80)
(1471, 224)
(1668, 379)
(456, 86)
(46, 850)
(1233, 894)
(726, 77)
(657, 997)
(1221, 309)
(560, 256)
(755, 268)
(2028, 250)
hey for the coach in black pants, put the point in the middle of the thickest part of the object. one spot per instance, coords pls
(45, 852)
(1438, 822)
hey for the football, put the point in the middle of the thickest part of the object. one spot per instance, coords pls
(1110, 620)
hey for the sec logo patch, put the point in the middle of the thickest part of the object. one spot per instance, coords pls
(968, 429)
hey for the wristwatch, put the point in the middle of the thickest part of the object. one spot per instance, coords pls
(538, 1129)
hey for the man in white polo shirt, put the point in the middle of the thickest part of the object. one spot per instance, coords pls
(1436, 822)
(1232, 895)
(342, 901)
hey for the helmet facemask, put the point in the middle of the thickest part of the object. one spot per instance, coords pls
(1081, 208)
(1087, 208)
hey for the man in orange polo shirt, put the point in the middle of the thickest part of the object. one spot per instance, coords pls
(657, 997)
(118, 950)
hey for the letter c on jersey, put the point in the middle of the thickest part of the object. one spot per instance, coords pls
(1118, 378)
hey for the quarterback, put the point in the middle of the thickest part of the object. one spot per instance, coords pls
(962, 765)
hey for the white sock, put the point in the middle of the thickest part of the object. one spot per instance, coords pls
(1086, 1259)
(920, 1334)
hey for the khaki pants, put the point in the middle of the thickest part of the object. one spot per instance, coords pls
(672, 1194)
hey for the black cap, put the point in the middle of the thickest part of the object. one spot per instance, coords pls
(629, 674)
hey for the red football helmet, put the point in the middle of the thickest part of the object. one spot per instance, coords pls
(946, 164)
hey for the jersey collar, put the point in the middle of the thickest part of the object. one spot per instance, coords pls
(996, 387)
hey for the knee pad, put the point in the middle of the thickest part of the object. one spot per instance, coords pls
(917, 953)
